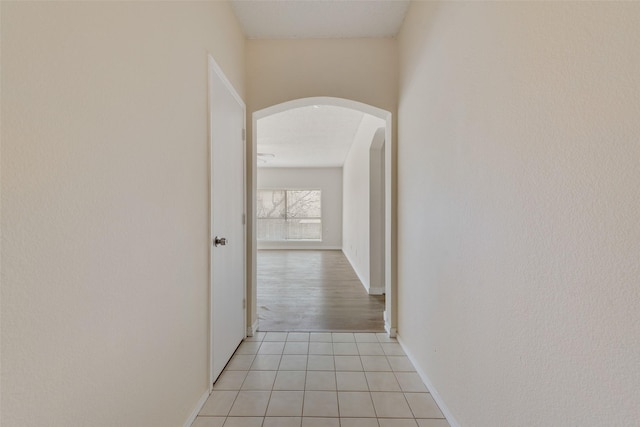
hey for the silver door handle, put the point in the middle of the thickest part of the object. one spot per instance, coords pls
(219, 241)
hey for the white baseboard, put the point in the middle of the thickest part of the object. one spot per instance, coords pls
(197, 409)
(434, 393)
(393, 332)
(251, 330)
(376, 291)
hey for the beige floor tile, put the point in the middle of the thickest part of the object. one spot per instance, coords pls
(397, 422)
(320, 404)
(348, 363)
(375, 363)
(391, 405)
(423, 406)
(346, 380)
(355, 404)
(345, 348)
(209, 422)
(230, 380)
(359, 422)
(321, 380)
(400, 364)
(320, 363)
(296, 347)
(290, 380)
(382, 381)
(269, 347)
(433, 423)
(275, 336)
(285, 404)
(320, 422)
(411, 382)
(321, 348)
(250, 404)
(298, 336)
(293, 362)
(266, 362)
(392, 349)
(248, 347)
(282, 422)
(370, 349)
(351, 381)
(219, 403)
(343, 337)
(320, 336)
(259, 380)
(243, 422)
(365, 337)
(258, 336)
(240, 362)
(384, 337)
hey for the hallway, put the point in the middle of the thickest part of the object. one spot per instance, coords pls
(320, 380)
(511, 241)
(308, 290)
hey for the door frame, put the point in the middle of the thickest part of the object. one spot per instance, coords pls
(390, 203)
(213, 71)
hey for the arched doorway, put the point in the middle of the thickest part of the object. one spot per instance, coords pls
(390, 287)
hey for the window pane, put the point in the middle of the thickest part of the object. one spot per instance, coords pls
(270, 204)
(304, 229)
(271, 229)
(303, 204)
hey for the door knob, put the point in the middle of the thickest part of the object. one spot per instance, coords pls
(219, 241)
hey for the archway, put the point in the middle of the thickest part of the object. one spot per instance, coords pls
(390, 286)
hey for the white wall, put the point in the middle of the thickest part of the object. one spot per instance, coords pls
(105, 208)
(519, 196)
(329, 180)
(356, 211)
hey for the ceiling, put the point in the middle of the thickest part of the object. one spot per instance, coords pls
(313, 136)
(284, 19)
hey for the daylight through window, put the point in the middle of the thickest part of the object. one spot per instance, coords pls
(289, 215)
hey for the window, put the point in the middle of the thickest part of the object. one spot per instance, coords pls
(289, 215)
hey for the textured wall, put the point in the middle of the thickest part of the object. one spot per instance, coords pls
(519, 199)
(105, 208)
(362, 70)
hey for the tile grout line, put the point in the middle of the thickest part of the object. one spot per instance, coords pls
(272, 386)
(266, 409)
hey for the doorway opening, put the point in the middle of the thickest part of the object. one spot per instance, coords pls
(311, 233)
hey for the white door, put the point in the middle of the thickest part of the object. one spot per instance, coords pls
(227, 117)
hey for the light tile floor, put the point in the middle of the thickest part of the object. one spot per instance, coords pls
(299, 379)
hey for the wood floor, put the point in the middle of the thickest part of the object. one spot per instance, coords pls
(307, 290)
